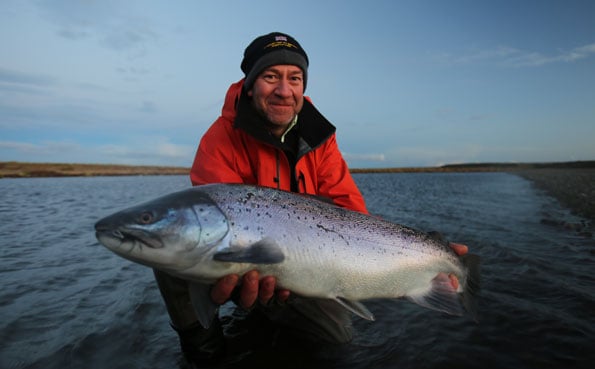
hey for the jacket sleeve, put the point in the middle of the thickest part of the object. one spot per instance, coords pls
(335, 180)
(212, 163)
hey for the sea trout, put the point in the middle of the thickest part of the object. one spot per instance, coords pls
(313, 248)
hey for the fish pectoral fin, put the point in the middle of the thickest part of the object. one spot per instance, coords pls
(265, 251)
(443, 296)
(356, 307)
(204, 307)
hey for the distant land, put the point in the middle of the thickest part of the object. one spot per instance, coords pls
(572, 183)
(484, 167)
(13, 169)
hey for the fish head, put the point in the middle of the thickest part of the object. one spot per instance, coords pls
(171, 233)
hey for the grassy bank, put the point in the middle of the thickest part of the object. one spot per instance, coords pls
(29, 170)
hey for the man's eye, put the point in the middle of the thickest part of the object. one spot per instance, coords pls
(269, 77)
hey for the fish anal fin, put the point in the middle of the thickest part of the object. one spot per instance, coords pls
(356, 307)
(325, 318)
(265, 251)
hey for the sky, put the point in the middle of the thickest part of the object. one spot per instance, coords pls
(406, 83)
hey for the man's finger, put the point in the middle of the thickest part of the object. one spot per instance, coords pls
(223, 287)
(249, 289)
(459, 248)
(267, 289)
(283, 295)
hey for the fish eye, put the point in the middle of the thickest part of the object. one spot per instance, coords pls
(146, 218)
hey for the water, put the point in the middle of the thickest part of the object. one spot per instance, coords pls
(67, 302)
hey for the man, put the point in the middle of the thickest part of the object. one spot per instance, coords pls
(269, 134)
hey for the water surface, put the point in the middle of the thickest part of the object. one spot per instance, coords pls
(67, 302)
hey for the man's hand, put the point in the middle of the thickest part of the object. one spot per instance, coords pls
(252, 288)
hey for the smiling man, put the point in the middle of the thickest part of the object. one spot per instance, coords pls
(269, 134)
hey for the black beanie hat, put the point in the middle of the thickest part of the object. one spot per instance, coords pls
(272, 49)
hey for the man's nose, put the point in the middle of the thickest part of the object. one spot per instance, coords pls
(283, 88)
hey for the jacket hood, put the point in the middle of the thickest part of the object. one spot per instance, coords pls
(231, 100)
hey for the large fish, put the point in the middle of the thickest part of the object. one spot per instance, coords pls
(313, 248)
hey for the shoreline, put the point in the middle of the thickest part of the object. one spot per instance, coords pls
(13, 169)
(571, 183)
(573, 188)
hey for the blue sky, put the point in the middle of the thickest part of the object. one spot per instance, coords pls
(407, 83)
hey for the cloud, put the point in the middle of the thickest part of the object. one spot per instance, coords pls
(364, 157)
(148, 107)
(149, 151)
(16, 77)
(40, 151)
(106, 20)
(55, 117)
(157, 151)
(132, 71)
(481, 153)
(123, 37)
(512, 57)
(22, 147)
(13, 90)
(73, 34)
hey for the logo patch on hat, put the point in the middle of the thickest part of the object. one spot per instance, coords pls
(285, 43)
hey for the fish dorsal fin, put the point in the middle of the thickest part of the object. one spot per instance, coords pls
(204, 307)
(265, 251)
(356, 307)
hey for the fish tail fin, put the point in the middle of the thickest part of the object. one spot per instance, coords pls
(444, 294)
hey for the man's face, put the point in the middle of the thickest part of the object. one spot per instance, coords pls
(278, 94)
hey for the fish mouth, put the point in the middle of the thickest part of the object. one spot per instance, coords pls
(117, 238)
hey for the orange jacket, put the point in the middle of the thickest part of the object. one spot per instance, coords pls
(230, 152)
